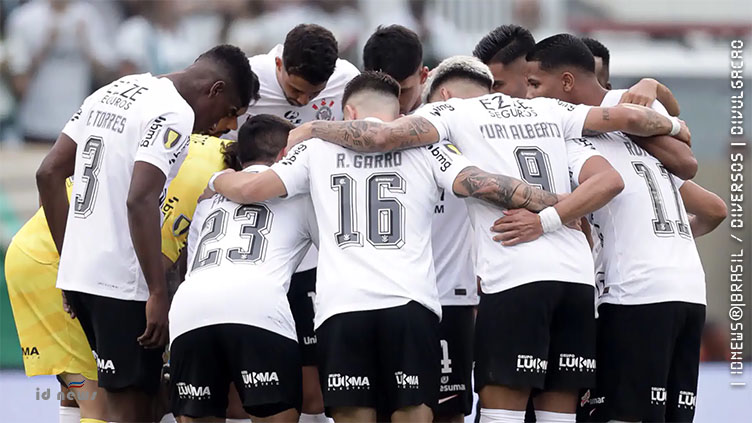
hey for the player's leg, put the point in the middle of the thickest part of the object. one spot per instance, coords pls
(512, 332)
(455, 391)
(52, 342)
(634, 344)
(89, 397)
(571, 357)
(199, 375)
(682, 378)
(301, 297)
(409, 362)
(265, 369)
(130, 373)
(347, 353)
(235, 405)
(69, 412)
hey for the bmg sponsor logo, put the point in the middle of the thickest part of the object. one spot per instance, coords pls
(528, 363)
(336, 381)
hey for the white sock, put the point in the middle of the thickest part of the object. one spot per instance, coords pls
(238, 420)
(168, 418)
(314, 418)
(69, 415)
(495, 415)
(552, 417)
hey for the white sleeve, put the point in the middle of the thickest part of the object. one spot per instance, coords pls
(442, 116)
(677, 181)
(658, 107)
(199, 215)
(579, 150)
(163, 141)
(446, 163)
(293, 169)
(76, 125)
(572, 117)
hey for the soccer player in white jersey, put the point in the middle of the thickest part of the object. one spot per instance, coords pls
(230, 321)
(397, 51)
(303, 80)
(377, 305)
(122, 148)
(652, 301)
(538, 297)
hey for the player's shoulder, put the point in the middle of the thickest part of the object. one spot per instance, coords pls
(344, 71)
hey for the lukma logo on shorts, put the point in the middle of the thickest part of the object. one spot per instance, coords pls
(103, 364)
(657, 396)
(571, 362)
(405, 381)
(687, 399)
(259, 378)
(336, 381)
(528, 363)
(188, 391)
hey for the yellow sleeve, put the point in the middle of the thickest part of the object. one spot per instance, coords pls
(204, 158)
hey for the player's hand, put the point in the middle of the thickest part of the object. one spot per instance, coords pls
(643, 93)
(298, 135)
(517, 226)
(157, 330)
(208, 193)
(684, 135)
(67, 308)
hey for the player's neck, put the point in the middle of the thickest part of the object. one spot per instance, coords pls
(590, 93)
(257, 162)
(182, 86)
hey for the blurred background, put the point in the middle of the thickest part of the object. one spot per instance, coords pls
(53, 53)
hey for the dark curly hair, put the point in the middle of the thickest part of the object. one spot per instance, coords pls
(310, 51)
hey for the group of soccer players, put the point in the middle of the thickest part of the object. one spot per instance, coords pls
(358, 245)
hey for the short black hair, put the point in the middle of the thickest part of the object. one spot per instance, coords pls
(373, 81)
(310, 51)
(562, 50)
(598, 49)
(261, 137)
(394, 50)
(235, 66)
(504, 44)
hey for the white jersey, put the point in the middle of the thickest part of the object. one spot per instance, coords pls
(647, 252)
(374, 216)
(326, 106)
(453, 252)
(240, 260)
(136, 118)
(524, 139)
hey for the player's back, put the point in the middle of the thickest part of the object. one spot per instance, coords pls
(374, 215)
(648, 252)
(240, 260)
(524, 139)
(136, 118)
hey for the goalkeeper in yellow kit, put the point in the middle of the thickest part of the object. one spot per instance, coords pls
(51, 342)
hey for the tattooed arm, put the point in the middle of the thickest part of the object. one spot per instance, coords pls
(631, 119)
(369, 136)
(501, 191)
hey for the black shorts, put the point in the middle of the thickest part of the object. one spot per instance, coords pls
(385, 359)
(301, 296)
(112, 327)
(539, 335)
(264, 366)
(648, 360)
(456, 334)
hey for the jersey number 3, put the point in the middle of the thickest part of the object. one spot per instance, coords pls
(92, 157)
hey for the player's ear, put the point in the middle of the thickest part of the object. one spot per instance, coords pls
(217, 88)
(567, 82)
(281, 155)
(350, 112)
(423, 75)
(445, 94)
(278, 63)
